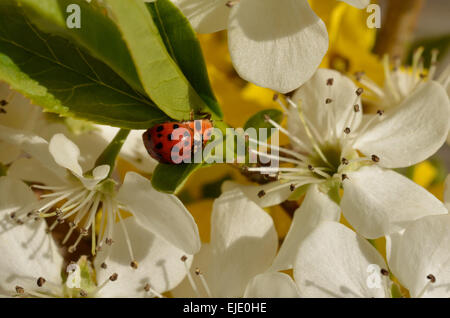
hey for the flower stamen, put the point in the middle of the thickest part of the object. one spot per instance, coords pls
(189, 276)
(204, 283)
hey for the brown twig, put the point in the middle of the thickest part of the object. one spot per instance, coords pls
(398, 27)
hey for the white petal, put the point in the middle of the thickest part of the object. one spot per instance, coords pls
(423, 250)
(27, 254)
(20, 113)
(159, 263)
(377, 202)
(389, 239)
(316, 208)
(98, 174)
(410, 132)
(14, 195)
(32, 144)
(65, 153)
(160, 213)
(244, 243)
(270, 198)
(276, 44)
(91, 143)
(206, 16)
(360, 4)
(31, 170)
(271, 285)
(334, 261)
(9, 152)
(312, 98)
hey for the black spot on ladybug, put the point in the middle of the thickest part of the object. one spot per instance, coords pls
(176, 126)
(159, 128)
(198, 125)
(159, 145)
(159, 135)
(169, 137)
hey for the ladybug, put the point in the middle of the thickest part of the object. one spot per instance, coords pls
(176, 142)
(202, 129)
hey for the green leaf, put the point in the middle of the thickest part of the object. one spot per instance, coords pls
(63, 78)
(171, 178)
(184, 48)
(98, 34)
(440, 43)
(160, 76)
(258, 120)
(213, 190)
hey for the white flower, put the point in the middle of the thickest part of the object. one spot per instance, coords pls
(242, 247)
(333, 146)
(400, 83)
(17, 112)
(31, 266)
(165, 232)
(31, 263)
(334, 261)
(273, 43)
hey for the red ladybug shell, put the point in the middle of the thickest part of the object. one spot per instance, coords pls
(160, 144)
(174, 149)
(202, 127)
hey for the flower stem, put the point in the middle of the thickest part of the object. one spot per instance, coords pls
(109, 155)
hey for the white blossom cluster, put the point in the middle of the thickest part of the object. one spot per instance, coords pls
(144, 243)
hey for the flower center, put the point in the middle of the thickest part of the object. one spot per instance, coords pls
(399, 82)
(78, 207)
(332, 154)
